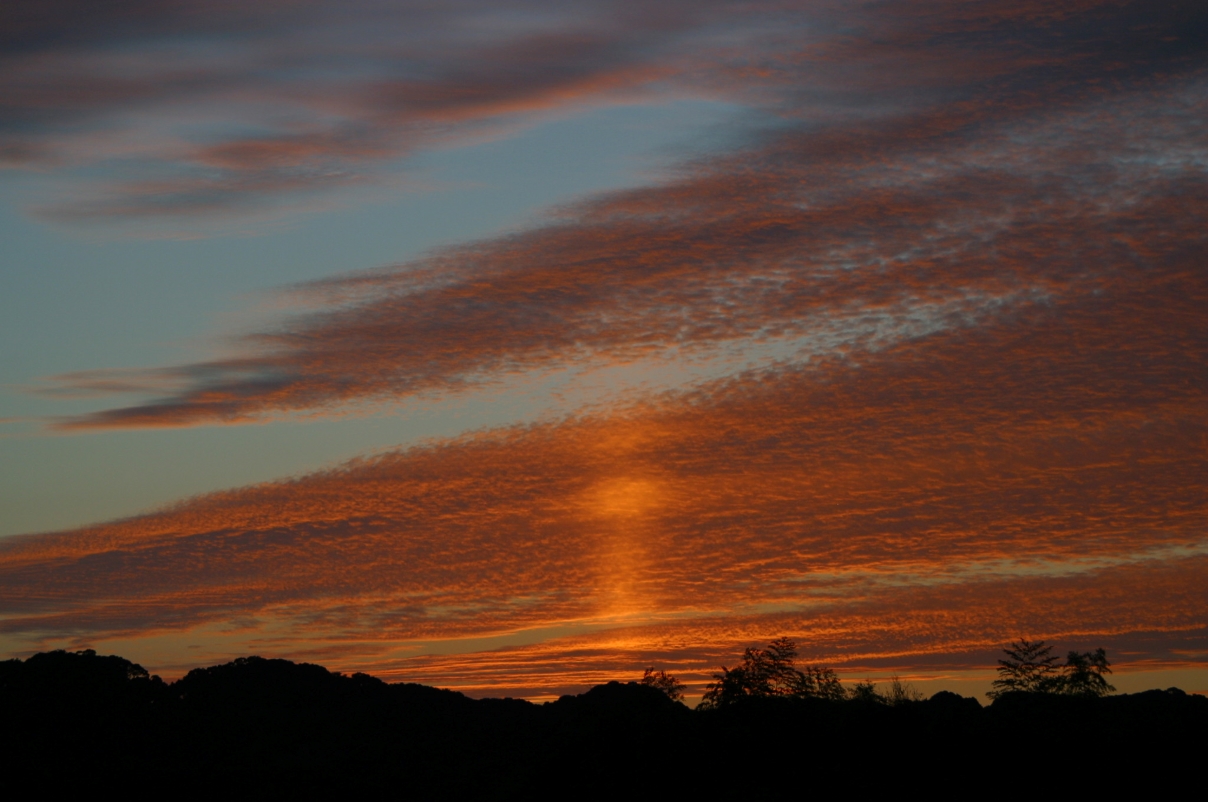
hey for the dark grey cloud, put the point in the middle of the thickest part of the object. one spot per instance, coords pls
(308, 96)
(300, 96)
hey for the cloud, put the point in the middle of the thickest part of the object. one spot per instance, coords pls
(948, 628)
(841, 239)
(187, 109)
(970, 246)
(1036, 473)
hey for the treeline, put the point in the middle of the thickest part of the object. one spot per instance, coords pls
(1028, 667)
(78, 720)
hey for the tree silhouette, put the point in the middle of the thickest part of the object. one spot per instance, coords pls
(664, 682)
(771, 672)
(1029, 667)
(273, 726)
(865, 691)
(900, 693)
(819, 682)
(1082, 674)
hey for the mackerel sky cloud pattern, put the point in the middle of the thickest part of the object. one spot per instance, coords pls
(937, 474)
(934, 208)
(966, 241)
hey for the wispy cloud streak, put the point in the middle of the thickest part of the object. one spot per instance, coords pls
(196, 109)
(189, 109)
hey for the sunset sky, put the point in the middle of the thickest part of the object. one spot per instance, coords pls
(513, 347)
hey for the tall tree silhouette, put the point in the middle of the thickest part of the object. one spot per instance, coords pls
(1029, 666)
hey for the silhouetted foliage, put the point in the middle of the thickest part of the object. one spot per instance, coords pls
(1030, 667)
(865, 691)
(900, 693)
(62, 679)
(895, 693)
(82, 722)
(1082, 674)
(771, 672)
(819, 683)
(664, 682)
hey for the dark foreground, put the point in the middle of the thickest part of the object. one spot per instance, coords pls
(83, 721)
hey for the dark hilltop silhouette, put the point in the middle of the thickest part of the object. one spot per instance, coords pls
(79, 721)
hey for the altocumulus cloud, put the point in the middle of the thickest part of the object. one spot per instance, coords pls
(1039, 472)
(1046, 166)
(974, 232)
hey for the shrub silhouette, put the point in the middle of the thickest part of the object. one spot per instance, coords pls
(771, 672)
(664, 682)
(1083, 673)
(900, 693)
(865, 691)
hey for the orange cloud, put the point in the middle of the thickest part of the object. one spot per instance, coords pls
(1038, 473)
(949, 627)
(987, 418)
(826, 245)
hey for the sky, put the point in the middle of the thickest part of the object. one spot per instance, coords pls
(514, 347)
